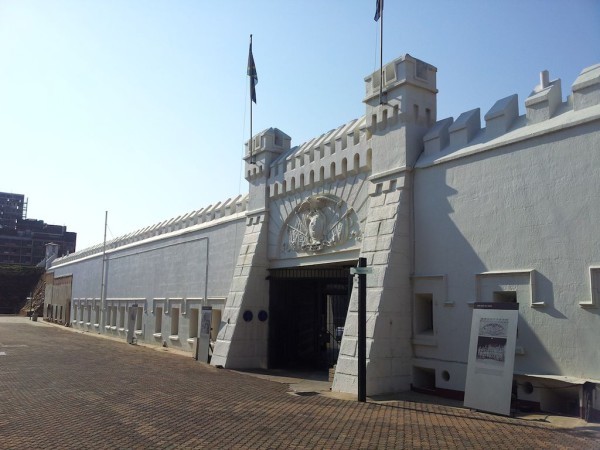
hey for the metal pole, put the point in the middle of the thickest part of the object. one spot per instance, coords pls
(251, 143)
(206, 272)
(362, 332)
(103, 286)
(381, 102)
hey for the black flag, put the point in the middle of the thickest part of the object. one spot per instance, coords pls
(252, 74)
(379, 10)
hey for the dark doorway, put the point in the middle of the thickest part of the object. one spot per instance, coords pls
(308, 308)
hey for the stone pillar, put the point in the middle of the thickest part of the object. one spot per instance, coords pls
(386, 245)
(242, 342)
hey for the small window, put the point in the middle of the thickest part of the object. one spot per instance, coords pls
(139, 318)
(175, 322)
(424, 314)
(122, 314)
(158, 322)
(424, 378)
(594, 288)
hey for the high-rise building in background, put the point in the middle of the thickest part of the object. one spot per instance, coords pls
(22, 240)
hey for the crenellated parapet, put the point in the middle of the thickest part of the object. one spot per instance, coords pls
(202, 217)
(391, 103)
(266, 146)
(333, 155)
(544, 108)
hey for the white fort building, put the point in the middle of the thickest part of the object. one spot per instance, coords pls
(447, 213)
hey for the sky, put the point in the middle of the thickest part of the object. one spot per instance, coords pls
(140, 107)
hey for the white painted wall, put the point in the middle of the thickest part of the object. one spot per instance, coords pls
(529, 204)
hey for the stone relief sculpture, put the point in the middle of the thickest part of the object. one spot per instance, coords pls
(319, 222)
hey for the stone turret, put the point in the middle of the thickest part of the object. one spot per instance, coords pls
(266, 147)
(406, 111)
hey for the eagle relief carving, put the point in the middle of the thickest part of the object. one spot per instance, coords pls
(320, 222)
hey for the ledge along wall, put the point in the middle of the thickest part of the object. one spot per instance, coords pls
(175, 267)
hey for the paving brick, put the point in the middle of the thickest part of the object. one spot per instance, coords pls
(61, 389)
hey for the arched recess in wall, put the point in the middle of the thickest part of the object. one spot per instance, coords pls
(369, 157)
(322, 174)
(276, 188)
(311, 177)
(332, 170)
(293, 185)
(344, 167)
(284, 187)
(301, 180)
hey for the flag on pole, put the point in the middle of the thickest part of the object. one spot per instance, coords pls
(252, 74)
(378, 10)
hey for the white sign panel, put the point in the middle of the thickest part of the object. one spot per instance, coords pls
(131, 323)
(492, 357)
(204, 340)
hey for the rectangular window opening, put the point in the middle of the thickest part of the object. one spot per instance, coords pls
(424, 314)
(174, 321)
(158, 322)
(122, 314)
(139, 318)
(424, 378)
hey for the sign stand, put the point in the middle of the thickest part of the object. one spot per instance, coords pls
(204, 339)
(362, 270)
(491, 357)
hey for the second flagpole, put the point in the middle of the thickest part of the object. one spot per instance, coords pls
(251, 140)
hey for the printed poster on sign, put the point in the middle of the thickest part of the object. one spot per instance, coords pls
(491, 357)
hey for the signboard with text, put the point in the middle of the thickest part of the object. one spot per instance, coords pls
(491, 357)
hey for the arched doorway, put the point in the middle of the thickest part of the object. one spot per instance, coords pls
(308, 308)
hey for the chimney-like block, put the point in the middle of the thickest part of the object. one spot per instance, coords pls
(464, 129)
(544, 100)
(501, 116)
(586, 88)
(437, 137)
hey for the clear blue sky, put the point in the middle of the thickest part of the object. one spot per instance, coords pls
(140, 107)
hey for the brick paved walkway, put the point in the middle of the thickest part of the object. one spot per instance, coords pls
(61, 390)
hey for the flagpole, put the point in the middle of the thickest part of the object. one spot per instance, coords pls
(381, 53)
(103, 281)
(251, 143)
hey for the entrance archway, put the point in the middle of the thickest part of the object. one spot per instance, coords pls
(308, 308)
